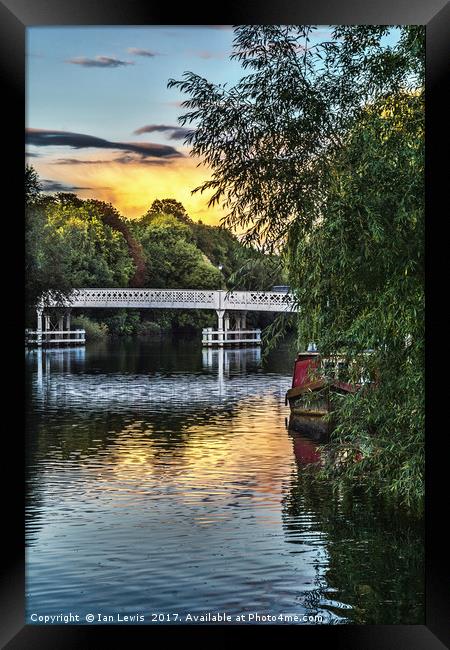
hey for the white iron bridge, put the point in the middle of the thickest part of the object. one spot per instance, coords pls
(180, 299)
(229, 306)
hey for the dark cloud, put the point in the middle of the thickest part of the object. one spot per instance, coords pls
(175, 132)
(54, 186)
(137, 51)
(48, 138)
(127, 158)
(32, 154)
(123, 160)
(99, 62)
(78, 161)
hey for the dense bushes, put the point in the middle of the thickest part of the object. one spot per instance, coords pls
(95, 331)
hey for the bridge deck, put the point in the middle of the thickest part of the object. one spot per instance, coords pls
(181, 299)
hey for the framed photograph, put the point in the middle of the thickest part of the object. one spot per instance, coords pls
(224, 318)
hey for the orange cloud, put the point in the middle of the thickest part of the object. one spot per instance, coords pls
(133, 186)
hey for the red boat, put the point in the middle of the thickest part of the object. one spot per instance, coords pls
(311, 393)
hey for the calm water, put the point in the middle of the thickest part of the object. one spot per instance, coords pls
(163, 480)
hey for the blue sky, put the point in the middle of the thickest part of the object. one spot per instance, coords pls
(71, 89)
(91, 90)
(113, 102)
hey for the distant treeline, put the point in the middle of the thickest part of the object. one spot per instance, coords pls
(73, 242)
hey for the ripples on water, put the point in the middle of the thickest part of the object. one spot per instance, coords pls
(164, 480)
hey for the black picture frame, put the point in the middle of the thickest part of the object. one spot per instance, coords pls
(15, 17)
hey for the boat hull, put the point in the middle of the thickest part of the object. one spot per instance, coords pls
(315, 427)
(309, 410)
(309, 413)
(311, 396)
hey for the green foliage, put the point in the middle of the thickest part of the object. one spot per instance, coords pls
(361, 286)
(111, 217)
(94, 331)
(166, 207)
(172, 258)
(190, 322)
(148, 328)
(256, 270)
(268, 139)
(95, 254)
(219, 245)
(122, 323)
(318, 153)
(32, 185)
(73, 242)
(46, 265)
(68, 244)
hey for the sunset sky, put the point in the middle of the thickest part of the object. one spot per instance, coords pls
(101, 121)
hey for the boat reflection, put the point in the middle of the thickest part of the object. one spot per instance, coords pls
(306, 450)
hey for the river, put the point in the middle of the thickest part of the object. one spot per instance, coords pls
(162, 482)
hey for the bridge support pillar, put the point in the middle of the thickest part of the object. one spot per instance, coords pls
(47, 323)
(220, 313)
(39, 327)
(61, 320)
(244, 320)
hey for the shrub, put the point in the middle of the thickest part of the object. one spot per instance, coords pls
(94, 331)
(148, 328)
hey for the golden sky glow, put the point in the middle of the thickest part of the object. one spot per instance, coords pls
(101, 120)
(132, 187)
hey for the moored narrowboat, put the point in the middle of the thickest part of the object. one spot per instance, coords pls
(310, 396)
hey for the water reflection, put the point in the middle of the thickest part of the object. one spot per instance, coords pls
(60, 380)
(163, 478)
(374, 569)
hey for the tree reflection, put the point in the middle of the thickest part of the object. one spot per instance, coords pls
(375, 556)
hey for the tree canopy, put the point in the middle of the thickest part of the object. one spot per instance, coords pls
(318, 154)
(73, 242)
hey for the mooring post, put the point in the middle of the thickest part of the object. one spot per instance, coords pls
(227, 324)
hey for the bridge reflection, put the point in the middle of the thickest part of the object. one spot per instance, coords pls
(62, 378)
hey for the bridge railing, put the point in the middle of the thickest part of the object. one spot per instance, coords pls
(212, 337)
(55, 337)
(258, 301)
(179, 299)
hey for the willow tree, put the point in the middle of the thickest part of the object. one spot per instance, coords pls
(317, 152)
